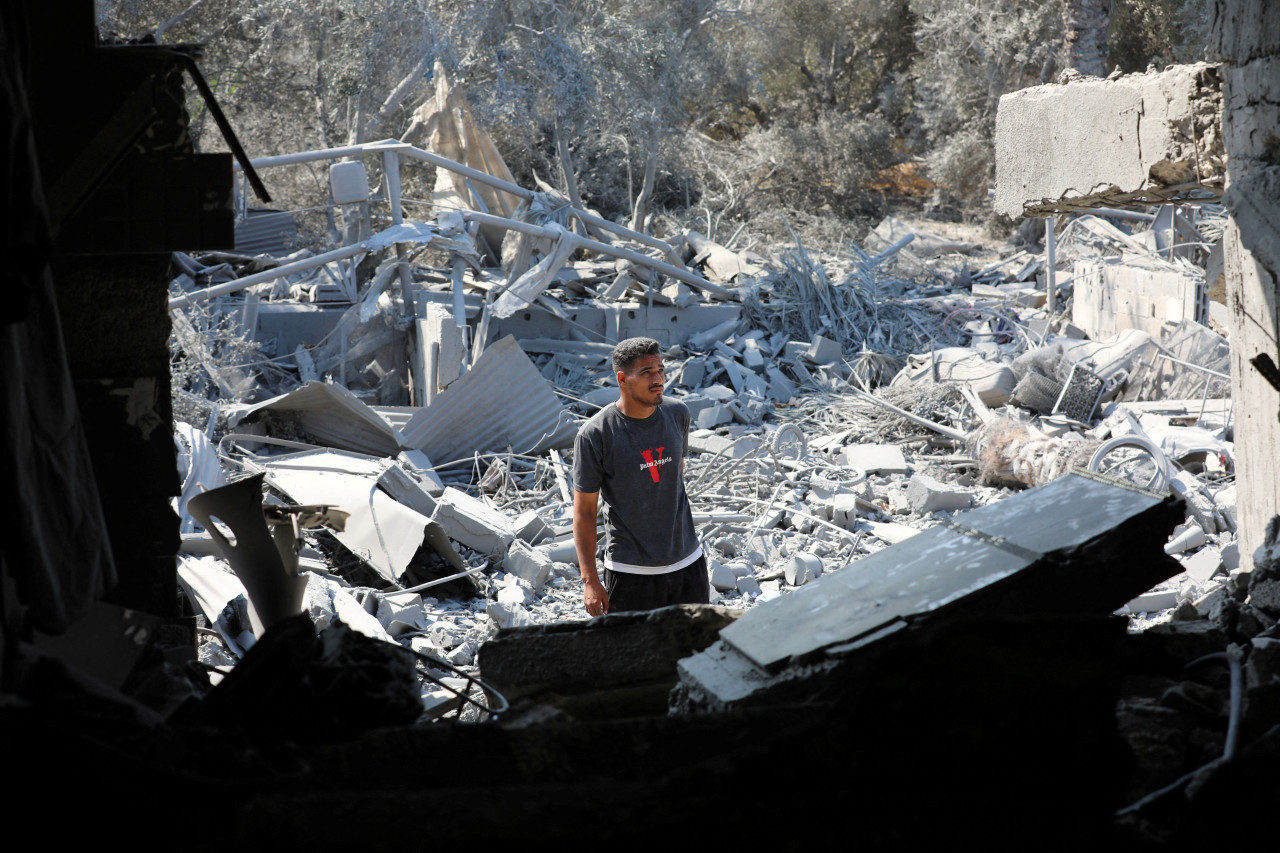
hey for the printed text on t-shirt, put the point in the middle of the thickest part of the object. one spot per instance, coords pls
(653, 465)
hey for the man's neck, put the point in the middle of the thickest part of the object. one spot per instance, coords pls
(633, 408)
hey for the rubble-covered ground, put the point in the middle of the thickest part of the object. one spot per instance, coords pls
(854, 399)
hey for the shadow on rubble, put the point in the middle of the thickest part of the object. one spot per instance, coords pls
(956, 721)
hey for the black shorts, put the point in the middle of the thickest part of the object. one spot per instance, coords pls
(630, 591)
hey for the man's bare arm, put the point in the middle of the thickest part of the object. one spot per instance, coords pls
(585, 507)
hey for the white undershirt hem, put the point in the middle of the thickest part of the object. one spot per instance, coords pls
(616, 566)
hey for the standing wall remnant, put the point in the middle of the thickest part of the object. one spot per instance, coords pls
(1141, 138)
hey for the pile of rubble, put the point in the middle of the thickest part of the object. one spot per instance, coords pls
(840, 404)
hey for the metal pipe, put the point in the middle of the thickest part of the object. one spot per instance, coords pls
(391, 170)
(266, 275)
(1050, 285)
(604, 249)
(1113, 213)
(467, 171)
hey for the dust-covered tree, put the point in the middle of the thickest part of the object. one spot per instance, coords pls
(968, 55)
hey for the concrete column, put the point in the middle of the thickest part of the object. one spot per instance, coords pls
(1247, 35)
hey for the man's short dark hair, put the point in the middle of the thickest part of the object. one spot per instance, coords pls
(626, 352)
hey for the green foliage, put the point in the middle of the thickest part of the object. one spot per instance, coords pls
(750, 107)
(969, 54)
(1158, 32)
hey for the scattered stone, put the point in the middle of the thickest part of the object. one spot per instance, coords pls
(925, 494)
(722, 577)
(508, 615)
(531, 564)
(874, 458)
(802, 568)
(1263, 665)
(1203, 564)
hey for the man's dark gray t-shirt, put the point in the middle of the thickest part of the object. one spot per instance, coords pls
(635, 465)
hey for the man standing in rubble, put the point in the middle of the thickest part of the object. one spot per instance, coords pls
(632, 453)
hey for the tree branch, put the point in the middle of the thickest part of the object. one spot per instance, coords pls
(396, 98)
(159, 31)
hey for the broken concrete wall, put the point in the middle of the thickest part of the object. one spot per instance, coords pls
(1111, 296)
(1247, 34)
(1057, 148)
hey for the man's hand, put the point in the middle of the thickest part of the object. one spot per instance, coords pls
(594, 597)
(585, 507)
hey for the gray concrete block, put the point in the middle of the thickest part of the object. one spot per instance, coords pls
(802, 568)
(401, 612)
(508, 615)
(756, 385)
(1096, 143)
(531, 564)
(926, 494)
(748, 585)
(1151, 602)
(514, 594)
(874, 458)
(473, 523)
(781, 389)
(823, 350)
(530, 527)
(713, 416)
(722, 577)
(693, 372)
(734, 372)
(1203, 564)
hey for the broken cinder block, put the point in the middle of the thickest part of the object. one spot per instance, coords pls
(531, 564)
(473, 523)
(823, 350)
(874, 458)
(925, 494)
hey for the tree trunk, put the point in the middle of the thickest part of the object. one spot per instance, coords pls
(641, 210)
(1086, 25)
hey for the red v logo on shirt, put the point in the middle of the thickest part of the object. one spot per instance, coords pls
(651, 464)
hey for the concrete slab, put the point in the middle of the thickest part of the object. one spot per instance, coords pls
(531, 564)
(473, 523)
(926, 494)
(874, 458)
(1042, 532)
(1098, 143)
(622, 649)
(1203, 564)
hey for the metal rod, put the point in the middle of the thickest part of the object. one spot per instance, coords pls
(391, 170)
(604, 249)
(1050, 285)
(467, 171)
(266, 275)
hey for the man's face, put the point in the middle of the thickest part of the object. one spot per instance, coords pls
(643, 382)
